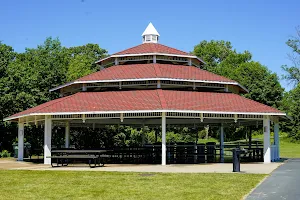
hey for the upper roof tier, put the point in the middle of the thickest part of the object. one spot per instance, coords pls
(152, 48)
(149, 49)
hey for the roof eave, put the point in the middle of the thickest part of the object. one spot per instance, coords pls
(143, 79)
(147, 111)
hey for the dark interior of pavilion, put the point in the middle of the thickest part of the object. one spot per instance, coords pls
(136, 145)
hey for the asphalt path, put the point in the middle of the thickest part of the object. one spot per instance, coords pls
(283, 183)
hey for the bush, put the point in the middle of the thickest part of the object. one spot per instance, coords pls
(5, 154)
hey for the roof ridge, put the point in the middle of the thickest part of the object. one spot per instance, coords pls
(127, 49)
(173, 48)
(162, 99)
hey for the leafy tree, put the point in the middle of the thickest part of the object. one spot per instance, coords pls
(7, 55)
(291, 100)
(293, 72)
(82, 60)
(222, 59)
(7, 131)
(33, 73)
(213, 53)
(291, 104)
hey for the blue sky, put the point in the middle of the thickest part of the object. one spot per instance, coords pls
(262, 27)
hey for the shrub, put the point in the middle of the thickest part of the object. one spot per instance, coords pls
(5, 154)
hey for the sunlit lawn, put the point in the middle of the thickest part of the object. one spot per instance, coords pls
(15, 184)
(289, 150)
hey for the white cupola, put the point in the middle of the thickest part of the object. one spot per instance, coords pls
(150, 34)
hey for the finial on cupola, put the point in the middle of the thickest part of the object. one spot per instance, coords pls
(150, 35)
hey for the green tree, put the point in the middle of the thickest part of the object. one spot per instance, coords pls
(291, 105)
(33, 73)
(7, 131)
(293, 72)
(222, 59)
(82, 60)
(291, 100)
(7, 55)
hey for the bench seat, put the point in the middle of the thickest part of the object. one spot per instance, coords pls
(65, 158)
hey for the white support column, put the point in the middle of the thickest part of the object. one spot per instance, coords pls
(226, 88)
(116, 61)
(267, 143)
(222, 143)
(158, 84)
(67, 135)
(84, 87)
(189, 61)
(163, 140)
(276, 139)
(20, 141)
(47, 139)
(154, 58)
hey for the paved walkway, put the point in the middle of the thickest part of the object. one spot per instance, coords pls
(253, 168)
(283, 183)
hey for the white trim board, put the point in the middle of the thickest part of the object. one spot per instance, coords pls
(145, 111)
(148, 79)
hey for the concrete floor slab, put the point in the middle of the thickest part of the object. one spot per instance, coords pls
(252, 168)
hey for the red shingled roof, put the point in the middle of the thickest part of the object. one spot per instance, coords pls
(151, 48)
(150, 100)
(141, 71)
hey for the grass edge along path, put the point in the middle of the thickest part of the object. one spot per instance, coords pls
(23, 184)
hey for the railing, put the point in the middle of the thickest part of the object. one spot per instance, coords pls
(183, 153)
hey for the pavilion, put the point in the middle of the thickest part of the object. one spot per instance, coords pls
(150, 84)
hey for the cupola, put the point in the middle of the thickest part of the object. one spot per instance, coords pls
(150, 35)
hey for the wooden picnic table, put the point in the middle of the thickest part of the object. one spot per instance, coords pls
(63, 156)
(82, 151)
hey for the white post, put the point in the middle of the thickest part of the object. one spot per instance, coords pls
(154, 58)
(189, 61)
(222, 143)
(163, 140)
(116, 61)
(20, 141)
(47, 139)
(158, 84)
(84, 87)
(226, 88)
(267, 145)
(276, 140)
(67, 135)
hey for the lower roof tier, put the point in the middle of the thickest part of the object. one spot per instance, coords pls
(149, 101)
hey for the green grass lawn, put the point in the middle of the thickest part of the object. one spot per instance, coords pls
(289, 149)
(16, 184)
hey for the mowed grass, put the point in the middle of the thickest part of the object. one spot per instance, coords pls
(17, 184)
(289, 149)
